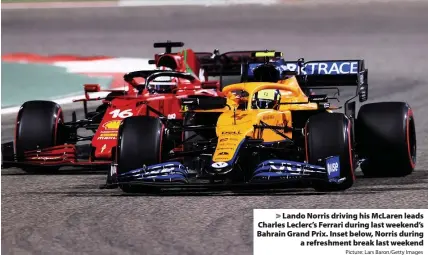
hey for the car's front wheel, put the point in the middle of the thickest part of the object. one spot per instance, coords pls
(140, 142)
(329, 134)
(38, 126)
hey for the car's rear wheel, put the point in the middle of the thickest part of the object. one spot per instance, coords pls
(140, 142)
(329, 134)
(38, 126)
(386, 138)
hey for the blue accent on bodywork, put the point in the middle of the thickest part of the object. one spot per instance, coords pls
(164, 172)
(333, 167)
(267, 171)
(313, 67)
(271, 170)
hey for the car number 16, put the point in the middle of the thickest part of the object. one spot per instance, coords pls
(121, 114)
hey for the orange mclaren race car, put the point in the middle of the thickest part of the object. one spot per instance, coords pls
(268, 133)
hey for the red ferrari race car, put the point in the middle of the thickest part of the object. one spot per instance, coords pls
(45, 142)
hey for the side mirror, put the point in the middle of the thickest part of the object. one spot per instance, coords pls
(210, 85)
(363, 93)
(92, 88)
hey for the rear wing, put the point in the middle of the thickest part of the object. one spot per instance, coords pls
(230, 63)
(328, 72)
(320, 74)
(314, 74)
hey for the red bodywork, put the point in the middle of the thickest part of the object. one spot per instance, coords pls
(132, 104)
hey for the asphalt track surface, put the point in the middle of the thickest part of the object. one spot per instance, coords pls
(68, 214)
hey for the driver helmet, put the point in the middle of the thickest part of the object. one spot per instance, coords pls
(266, 99)
(164, 84)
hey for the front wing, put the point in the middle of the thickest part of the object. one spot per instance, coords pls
(57, 156)
(269, 174)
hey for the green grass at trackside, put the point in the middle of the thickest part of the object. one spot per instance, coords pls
(23, 82)
(44, 1)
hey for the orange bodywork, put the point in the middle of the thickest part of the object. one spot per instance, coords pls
(238, 121)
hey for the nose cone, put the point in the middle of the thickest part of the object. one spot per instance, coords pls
(226, 153)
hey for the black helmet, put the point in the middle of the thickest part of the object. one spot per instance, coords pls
(266, 73)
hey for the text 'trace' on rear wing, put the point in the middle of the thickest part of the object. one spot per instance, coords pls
(331, 73)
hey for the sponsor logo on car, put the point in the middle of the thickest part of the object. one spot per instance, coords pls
(333, 167)
(47, 158)
(219, 165)
(268, 117)
(108, 131)
(226, 144)
(221, 148)
(222, 140)
(112, 125)
(107, 138)
(231, 132)
(108, 134)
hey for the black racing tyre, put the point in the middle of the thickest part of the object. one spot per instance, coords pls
(139, 143)
(38, 126)
(386, 138)
(329, 134)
